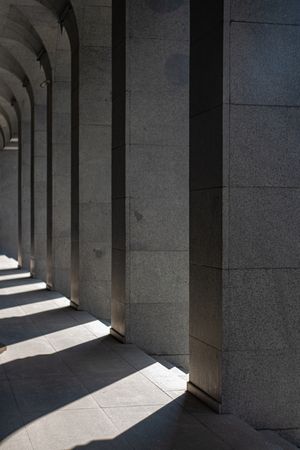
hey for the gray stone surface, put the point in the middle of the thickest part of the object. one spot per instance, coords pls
(26, 217)
(245, 315)
(9, 198)
(262, 153)
(261, 312)
(150, 177)
(264, 64)
(263, 228)
(272, 374)
(95, 157)
(206, 290)
(164, 276)
(272, 11)
(276, 439)
(205, 368)
(206, 227)
(291, 435)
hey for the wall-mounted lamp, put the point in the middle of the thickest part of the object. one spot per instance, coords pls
(45, 83)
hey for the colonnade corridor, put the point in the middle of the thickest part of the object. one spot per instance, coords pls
(67, 384)
(149, 224)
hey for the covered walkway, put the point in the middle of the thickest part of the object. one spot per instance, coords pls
(67, 384)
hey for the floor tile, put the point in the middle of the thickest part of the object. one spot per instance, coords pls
(67, 384)
(90, 429)
(236, 433)
(163, 428)
(13, 435)
(44, 395)
(133, 389)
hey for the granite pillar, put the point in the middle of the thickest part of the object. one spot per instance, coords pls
(40, 192)
(26, 199)
(62, 166)
(150, 176)
(9, 203)
(244, 209)
(91, 166)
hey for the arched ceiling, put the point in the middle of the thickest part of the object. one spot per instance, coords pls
(29, 31)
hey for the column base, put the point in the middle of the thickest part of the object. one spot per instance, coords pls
(118, 336)
(205, 398)
(74, 305)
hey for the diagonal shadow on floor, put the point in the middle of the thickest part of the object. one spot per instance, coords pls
(65, 383)
(22, 328)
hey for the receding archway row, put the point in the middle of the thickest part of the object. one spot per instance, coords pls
(65, 181)
(45, 35)
(70, 70)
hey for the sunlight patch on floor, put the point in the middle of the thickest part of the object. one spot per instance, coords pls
(22, 288)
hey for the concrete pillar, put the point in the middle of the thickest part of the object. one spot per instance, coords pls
(9, 203)
(244, 271)
(150, 176)
(62, 167)
(26, 199)
(92, 289)
(40, 192)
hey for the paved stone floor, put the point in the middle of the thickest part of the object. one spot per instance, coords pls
(66, 384)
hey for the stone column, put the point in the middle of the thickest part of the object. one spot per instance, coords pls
(25, 206)
(40, 192)
(150, 176)
(62, 166)
(91, 167)
(244, 199)
(26, 199)
(9, 203)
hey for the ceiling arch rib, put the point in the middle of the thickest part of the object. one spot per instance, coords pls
(9, 64)
(16, 26)
(30, 68)
(14, 98)
(18, 29)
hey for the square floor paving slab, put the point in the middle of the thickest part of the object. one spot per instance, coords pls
(39, 307)
(13, 434)
(39, 366)
(163, 377)
(130, 353)
(44, 395)
(90, 429)
(189, 402)
(7, 311)
(8, 403)
(93, 358)
(134, 389)
(233, 431)
(163, 428)
(275, 439)
(17, 329)
(70, 337)
(30, 348)
(98, 328)
(2, 373)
